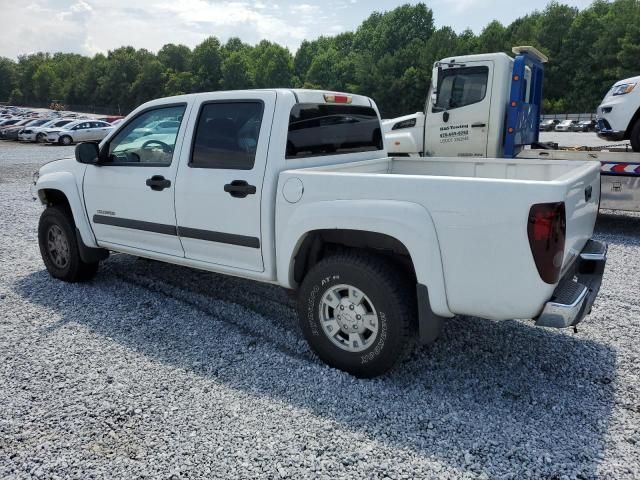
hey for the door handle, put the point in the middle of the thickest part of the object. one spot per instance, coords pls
(239, 189)
(158, 183)
(478, 125)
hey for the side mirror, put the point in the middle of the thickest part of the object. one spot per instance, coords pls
(87, 153)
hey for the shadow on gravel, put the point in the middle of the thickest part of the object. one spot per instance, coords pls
(500, 398)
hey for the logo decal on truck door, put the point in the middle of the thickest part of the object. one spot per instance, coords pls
(454, 133)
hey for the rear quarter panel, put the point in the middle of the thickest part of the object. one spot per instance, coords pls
(479, 231)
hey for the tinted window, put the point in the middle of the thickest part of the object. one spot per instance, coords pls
(323, 129)
(458, 87)
(130, 147)
(98, 125)
(227, 135)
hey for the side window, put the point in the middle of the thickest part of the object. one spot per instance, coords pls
(97, 125)
(459, 87)
(227, 135)
(138, 144)
(328, 129)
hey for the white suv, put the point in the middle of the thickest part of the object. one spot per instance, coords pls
(618, 115)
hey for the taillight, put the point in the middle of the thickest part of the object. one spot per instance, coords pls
(337, 98)
(547, 229)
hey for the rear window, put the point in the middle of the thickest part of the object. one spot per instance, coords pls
(327, 129)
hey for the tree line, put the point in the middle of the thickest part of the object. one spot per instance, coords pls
(389, 57)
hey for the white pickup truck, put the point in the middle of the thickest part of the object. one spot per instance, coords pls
(295, 188)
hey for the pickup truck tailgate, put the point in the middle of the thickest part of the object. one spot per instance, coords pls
(581, 207)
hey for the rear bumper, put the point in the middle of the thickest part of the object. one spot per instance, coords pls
(573, 297)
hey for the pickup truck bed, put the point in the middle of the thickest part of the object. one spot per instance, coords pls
(475, 211)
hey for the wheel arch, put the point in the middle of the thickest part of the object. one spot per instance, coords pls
(60, 189)
(632, 123)
(403, 230)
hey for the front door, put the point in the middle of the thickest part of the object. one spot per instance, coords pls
(218, 195)
(457, 123)
(130, 194)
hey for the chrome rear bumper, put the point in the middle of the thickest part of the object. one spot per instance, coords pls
(573, 297)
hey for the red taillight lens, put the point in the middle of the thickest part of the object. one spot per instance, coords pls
(547, 229)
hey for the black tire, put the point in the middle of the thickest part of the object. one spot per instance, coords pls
(635, 137)
(73, 269)
(388, 288)
(40, 138)
(65, 140)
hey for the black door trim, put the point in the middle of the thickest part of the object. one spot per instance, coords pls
(208, 235)
(219, 237)
(135, 224)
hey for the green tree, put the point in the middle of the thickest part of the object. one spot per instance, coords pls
(206, 63)
(236, 71)
(175, 57)
(272, 65)
(7, 77)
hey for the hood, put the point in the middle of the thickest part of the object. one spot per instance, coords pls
(61, 164)
(627, 80)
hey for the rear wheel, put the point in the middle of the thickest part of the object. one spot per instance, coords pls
(59, 247)
(635, 137)
(357, 312)
(65, 140)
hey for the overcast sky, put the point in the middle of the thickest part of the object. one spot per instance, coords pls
(91, 26)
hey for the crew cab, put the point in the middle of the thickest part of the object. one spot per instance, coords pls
(296, 188)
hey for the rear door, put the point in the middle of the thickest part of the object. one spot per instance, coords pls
(98, 131)
(457, 124)
(81, 132)
(219, 188)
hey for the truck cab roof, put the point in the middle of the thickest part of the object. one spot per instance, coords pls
(301, 95)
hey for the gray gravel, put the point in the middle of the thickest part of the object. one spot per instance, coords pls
(166, 372)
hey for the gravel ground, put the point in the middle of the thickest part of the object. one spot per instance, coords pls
(160, 371)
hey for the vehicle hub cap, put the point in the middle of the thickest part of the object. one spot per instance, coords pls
(58, 246)
(348, 318)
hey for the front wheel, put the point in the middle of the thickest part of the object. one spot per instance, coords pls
(65, 140)
(41, 138)
(357, 313)
(635, 137)
(59, 247)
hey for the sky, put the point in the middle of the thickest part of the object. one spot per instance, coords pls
(92, 26)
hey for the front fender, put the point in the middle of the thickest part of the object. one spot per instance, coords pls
(66, 183)
(409, 223)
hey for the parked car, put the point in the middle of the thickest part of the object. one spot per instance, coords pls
(110, 118)
(157, 127)
(79, 131)
(9, 121)
(11, 133)
(618, 115)
(549, 125)
(584, 126)
(565, 125)
(380, 250)
(37, 134)
(19, 123)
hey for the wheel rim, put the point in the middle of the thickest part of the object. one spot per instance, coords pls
(57, 246)
(348, 318)
(40, 137)
(66, 140)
